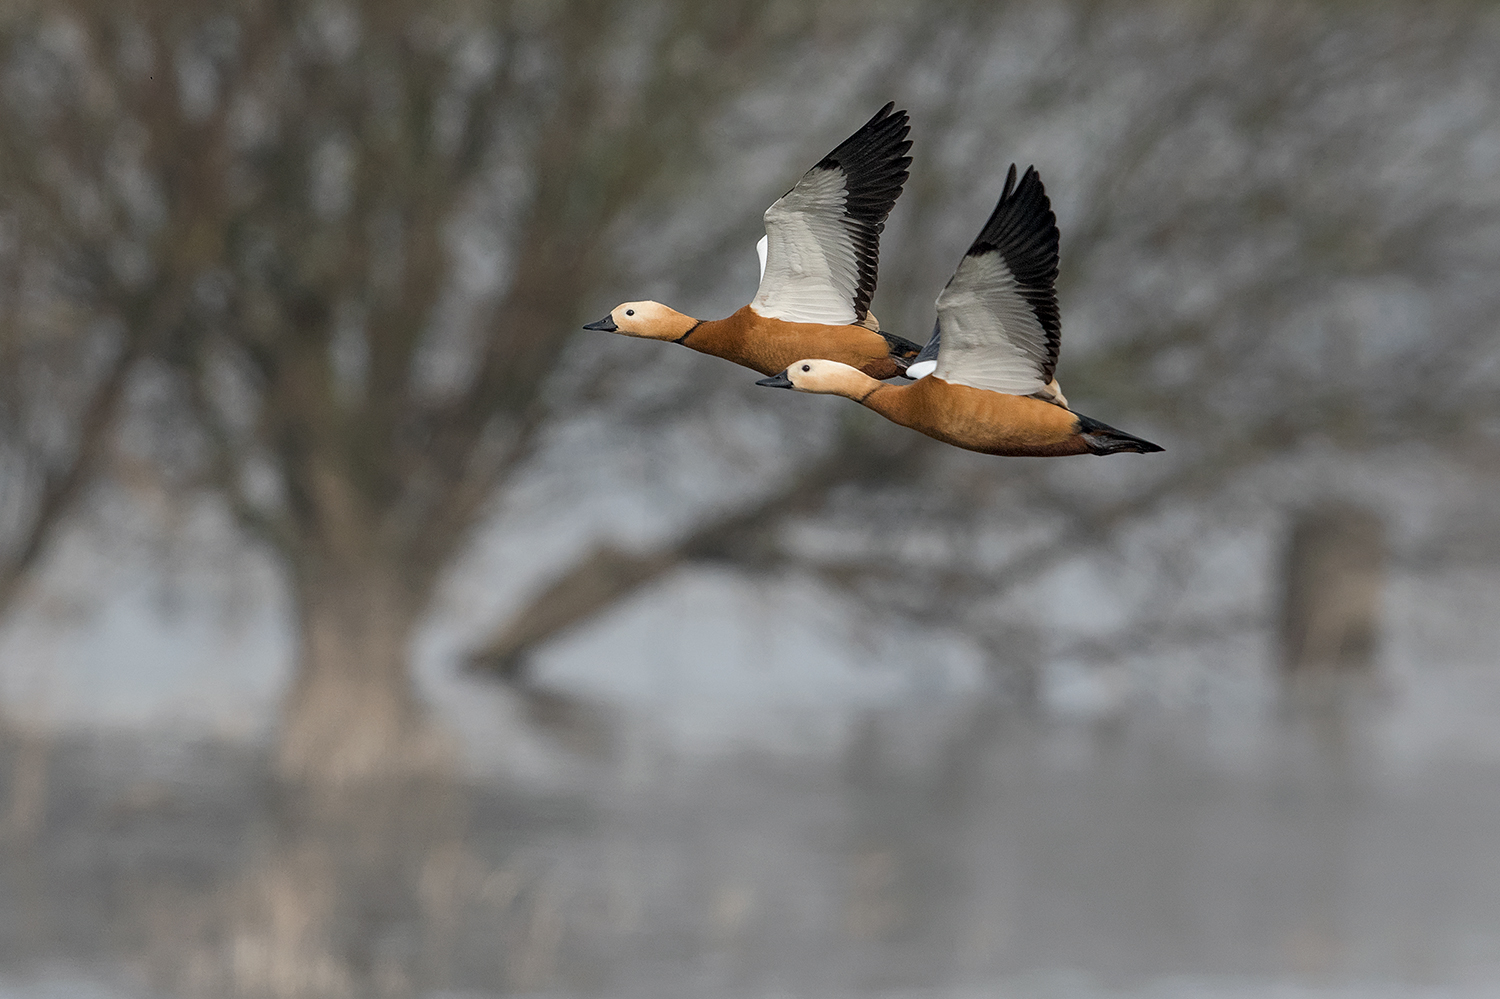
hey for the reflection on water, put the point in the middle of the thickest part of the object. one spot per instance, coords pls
(981, 852)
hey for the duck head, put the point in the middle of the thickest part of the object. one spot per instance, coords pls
(650, 320)
(824, 378)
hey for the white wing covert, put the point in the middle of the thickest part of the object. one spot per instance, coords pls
(998, 314)
(822, 243)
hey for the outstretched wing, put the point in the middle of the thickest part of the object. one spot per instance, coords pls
(999, 318)
(823, 236)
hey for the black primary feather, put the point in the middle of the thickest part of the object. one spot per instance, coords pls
(874, 164)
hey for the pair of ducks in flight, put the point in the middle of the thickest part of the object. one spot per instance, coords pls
(984, 381)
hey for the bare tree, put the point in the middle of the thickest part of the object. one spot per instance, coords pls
(358, 235)
(72, 324)
(1332, 570)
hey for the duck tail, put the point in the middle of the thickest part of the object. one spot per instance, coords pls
(1104, 439)
(903, 351)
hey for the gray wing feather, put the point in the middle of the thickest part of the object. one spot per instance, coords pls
(991, 338)
(811, 271)
(999, 317)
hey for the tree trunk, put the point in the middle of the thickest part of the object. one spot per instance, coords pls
(1332, 575)
(352, 714)
(366, 802)
(1331, 585)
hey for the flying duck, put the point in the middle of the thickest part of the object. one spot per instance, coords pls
(817, 269)
(990, 385)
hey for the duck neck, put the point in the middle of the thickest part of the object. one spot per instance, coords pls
(860, 387)
(885, 399)
(674, 326)
(724, 338)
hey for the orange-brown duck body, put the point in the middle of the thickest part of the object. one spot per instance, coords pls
(819, 262)
(980, 420)
(762, 343)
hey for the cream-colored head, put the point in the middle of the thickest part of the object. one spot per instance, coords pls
(650, 320)
(824, 378)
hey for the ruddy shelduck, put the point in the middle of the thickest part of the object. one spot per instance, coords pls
(990, 384)
(818, 261)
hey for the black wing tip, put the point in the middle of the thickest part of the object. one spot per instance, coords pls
(889, 111)
(1010, 181)
(887, 117)
(1023, 214)
(878, 148)
(887, 128)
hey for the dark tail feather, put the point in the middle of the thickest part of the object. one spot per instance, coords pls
(1104, 439)
(903, 351)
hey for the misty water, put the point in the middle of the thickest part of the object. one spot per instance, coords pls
(953, 849)
(729, 788)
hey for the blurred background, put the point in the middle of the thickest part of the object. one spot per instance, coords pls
(368, 629)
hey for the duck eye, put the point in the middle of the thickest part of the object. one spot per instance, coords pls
(807, 367)
(630, 312)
